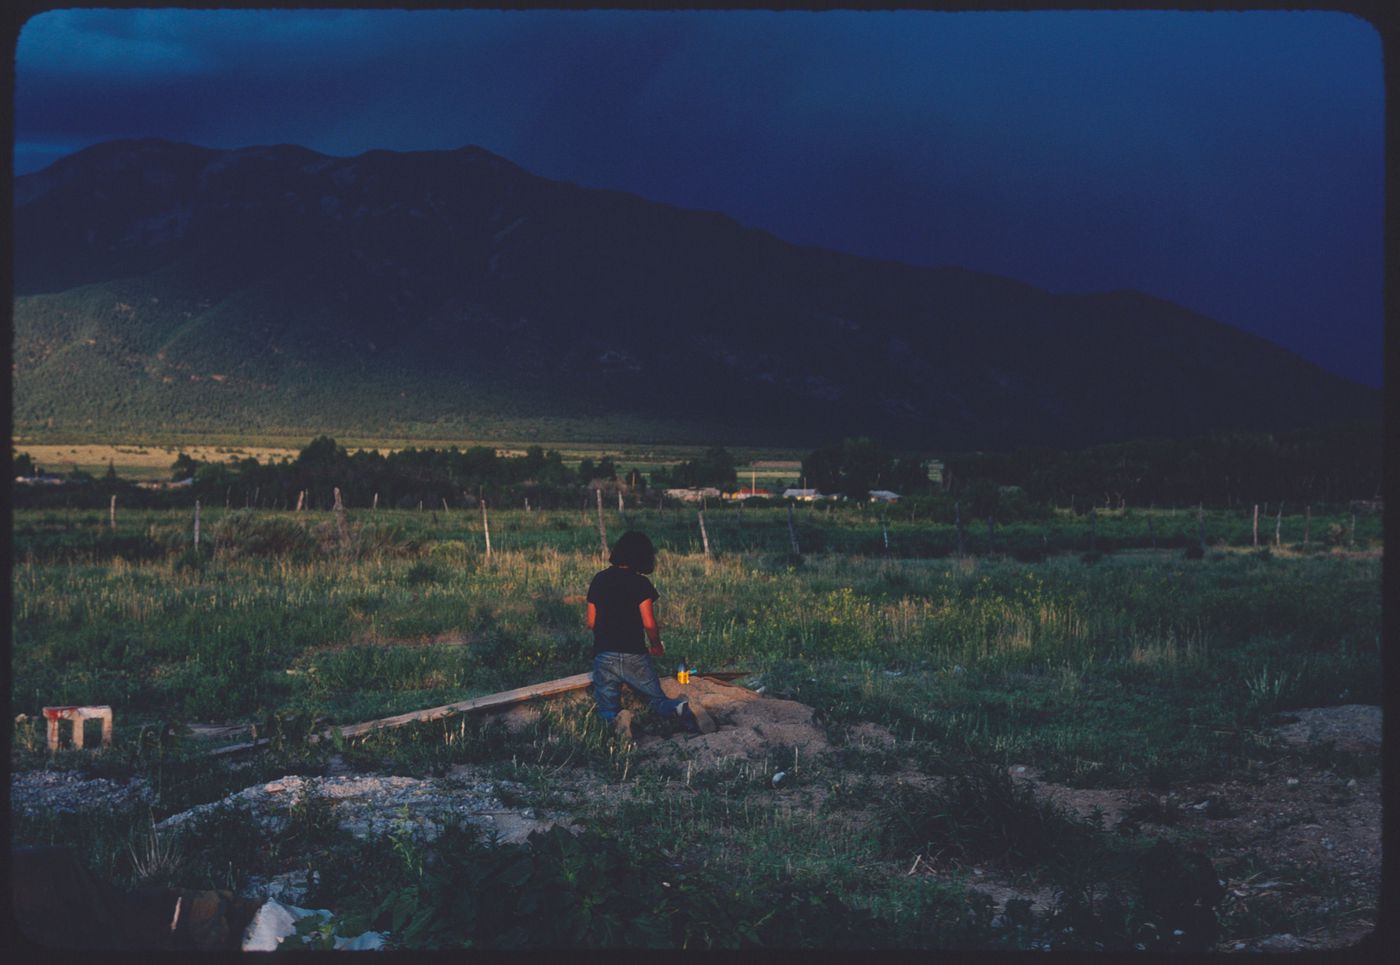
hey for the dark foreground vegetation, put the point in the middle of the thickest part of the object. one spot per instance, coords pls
(1111, 667)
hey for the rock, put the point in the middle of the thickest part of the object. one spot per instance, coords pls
(1280, 943)
(289, 888)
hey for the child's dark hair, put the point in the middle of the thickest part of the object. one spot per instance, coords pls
(635, 551)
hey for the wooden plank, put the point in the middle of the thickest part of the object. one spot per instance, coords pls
(723, 675)
(502, 699)
(235, 748)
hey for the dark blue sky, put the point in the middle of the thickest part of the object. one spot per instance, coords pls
(1229, 162)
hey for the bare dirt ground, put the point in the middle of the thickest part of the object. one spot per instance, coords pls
(1296, 840)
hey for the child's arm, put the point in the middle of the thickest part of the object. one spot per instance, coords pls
(650, 626)
(592, 615)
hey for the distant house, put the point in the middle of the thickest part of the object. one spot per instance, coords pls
(40, 480)
(178, 484)
(806, 495)
(748, 494)
(693, 495)
(882, 496)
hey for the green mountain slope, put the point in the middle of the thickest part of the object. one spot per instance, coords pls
(449, 294)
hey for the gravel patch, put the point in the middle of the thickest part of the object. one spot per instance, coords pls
(36, 793)
(371, 806)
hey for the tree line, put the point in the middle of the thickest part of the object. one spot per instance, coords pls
(1316, 467)
(1224, 471)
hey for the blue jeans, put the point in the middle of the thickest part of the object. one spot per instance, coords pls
(611, 670)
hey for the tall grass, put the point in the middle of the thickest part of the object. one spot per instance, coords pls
(274, 614)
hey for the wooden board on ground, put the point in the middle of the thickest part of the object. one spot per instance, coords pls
(505, 698)
(502, 699)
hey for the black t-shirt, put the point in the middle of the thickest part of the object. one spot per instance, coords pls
(616, 594)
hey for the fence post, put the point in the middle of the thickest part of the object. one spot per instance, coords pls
(114, 510)
(340, 525)
(885, 530)
(196, 526)
(1201, 524)
(957, 523)
(486, 527)
(792, 533)
(376, 501)
(1351, 540)
(1256, 525)
(619, 500)
(602, 530)
(301, 499)
(1278, 527)
(704, 536)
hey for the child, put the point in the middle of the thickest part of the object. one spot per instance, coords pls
(620, 615)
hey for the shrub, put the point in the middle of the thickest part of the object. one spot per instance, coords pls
(980, 814)
(245, 533)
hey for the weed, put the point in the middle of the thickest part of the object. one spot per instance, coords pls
(155, 860)
(1266, 689)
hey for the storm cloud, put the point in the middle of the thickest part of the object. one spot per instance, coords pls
(1230, 162)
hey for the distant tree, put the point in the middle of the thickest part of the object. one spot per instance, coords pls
(983, 496)
(715, 467)
(24, 466)
(853, 468)
(111, 474)
(320, 454)
(183, 467)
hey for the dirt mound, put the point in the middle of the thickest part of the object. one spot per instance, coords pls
(1353, 727)
(750, 726)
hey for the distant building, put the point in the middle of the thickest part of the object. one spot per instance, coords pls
(748, 494)
(882, 496)
(40, 480)
(178, 484)
(807, 495)
(693, 495)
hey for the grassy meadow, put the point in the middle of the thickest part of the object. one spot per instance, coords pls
(1106, 666)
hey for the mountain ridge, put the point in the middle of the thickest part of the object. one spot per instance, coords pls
(455, 289)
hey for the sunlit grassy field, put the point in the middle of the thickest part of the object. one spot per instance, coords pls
(274, 610)
(142, 462)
